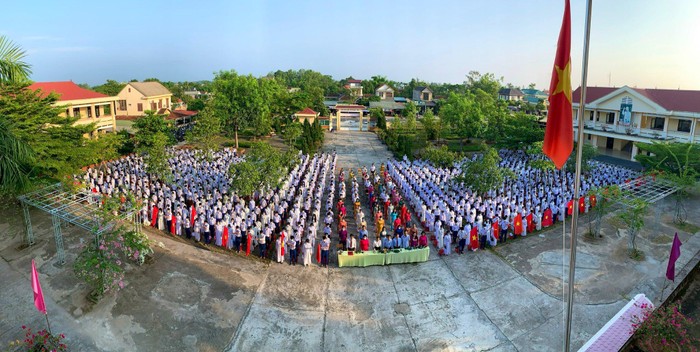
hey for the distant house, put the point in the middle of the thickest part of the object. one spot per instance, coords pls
(197, 94)
(510, 94)
(422, 93)
(138, 97)
(88, 106)
(534, 96)
(384, 92)
(306, 114)
(355, 87)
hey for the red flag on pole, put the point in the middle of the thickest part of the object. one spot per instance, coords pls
(675, 253)
(318, 253)
(192, 216)
(559, 134)
(36, 287)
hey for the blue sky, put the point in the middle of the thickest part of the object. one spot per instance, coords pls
(644, 43)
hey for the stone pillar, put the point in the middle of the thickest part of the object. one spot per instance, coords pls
(635, 151)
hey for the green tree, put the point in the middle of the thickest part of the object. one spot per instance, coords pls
(431, 124)
(484, 174)
(237, 101)
(292, 132)
(487, 83)
(378, 115)
(410, 108)
(111, 88)
(196, 105)
(147, 127)
(205, 129)
(678, 163)
(152, 139)
(16, 158)
(58, 145)
(13, 69)
(633, 212)
(605, 199)
(264, 167)
(464, 115)
(519, 131)
(439, 156)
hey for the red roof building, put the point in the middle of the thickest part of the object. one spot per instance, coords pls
(307, 111)
(88, 106)
(65, 90)
(617, 118)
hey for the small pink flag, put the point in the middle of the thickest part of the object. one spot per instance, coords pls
(36, 287)
(675, 253)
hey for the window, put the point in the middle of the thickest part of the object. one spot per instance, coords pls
(611, 118)
(153, 105)
(89, 111)
(76, 112)
(684, 125)
(160, 103)
(588, 136)
(67, 112)
(129, 90)
(426, 96)
(139, 106)
(108, 110)
(122, 105)
(590, 116)
(597, 116)
(657, 123)
(97, 111)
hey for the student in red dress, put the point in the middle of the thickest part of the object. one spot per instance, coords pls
(423, 240)
(364, 244)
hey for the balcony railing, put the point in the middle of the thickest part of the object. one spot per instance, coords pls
(632, 131)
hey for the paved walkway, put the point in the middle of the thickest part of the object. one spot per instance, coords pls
(191, 299)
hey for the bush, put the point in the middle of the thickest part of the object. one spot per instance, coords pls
(439, 156)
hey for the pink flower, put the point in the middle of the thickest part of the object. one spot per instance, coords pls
(121, 284)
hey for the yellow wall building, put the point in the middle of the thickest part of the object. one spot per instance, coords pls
(306, 114)
(616, 118)
(89, 106)
(138, 97)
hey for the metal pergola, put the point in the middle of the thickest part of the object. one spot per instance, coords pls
(79, 209)
(648, 188)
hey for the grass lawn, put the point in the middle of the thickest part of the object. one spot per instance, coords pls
(454, 145)
(125, 125)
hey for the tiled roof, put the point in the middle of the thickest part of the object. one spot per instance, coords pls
(354, 81)
(150, 89)
(307, 111)
(511, 92)
(669, 99)
(350, 106)
(66, 90)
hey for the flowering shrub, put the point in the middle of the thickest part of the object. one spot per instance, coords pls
(41, 341)
(665, 329)
(101, 265)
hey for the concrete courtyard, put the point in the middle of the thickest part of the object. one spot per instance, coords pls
(194, 299)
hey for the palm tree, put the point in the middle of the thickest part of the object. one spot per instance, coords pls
(15, 154)
(15, 159)
(12, 68)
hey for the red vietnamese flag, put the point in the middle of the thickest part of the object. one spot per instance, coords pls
(473, 239)
(559, 134)
(36, 287)
(496, 229)
(318, 253)
(547, 221)
(518, 225)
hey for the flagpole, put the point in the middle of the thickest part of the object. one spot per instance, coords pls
(577, 177)
(46, 315)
